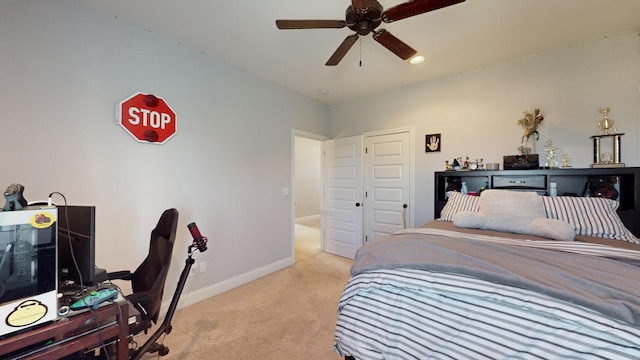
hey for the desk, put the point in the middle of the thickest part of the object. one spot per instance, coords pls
(72, 334)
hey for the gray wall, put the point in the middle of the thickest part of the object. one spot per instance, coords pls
(63, 68)
(477, 111)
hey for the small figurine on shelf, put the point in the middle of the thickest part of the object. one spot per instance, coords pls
(552, 162)
(447, 166)
(566, 161)
(466, 163)
(456, 164)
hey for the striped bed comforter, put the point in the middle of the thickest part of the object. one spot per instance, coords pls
(438, 295)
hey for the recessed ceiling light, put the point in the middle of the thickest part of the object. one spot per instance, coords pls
(323, 91)
(417, 59)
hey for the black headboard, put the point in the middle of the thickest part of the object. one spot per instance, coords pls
(569, 182)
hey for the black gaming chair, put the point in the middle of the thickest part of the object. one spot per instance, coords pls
(148, 280)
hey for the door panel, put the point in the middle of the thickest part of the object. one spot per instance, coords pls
(387, 184)
(343, 228)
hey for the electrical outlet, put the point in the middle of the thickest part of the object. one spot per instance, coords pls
(194, 269)
(203, 266)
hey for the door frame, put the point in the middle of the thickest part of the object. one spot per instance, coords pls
(292, 192)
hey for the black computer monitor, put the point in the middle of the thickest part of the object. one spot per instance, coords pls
(77, 245)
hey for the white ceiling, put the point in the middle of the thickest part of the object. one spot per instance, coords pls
(465, 36)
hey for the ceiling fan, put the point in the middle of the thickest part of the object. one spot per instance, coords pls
(363, 17)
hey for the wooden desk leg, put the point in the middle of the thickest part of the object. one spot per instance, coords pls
(123, 337)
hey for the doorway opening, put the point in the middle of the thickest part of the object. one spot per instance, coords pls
(307, 194)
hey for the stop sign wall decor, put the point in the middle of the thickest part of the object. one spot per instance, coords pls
(147, 118)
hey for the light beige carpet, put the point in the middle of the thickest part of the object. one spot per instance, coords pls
(289, 314)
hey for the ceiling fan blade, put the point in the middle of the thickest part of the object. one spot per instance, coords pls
(342, 50)
(415, 7)
(310, 24)
(360, 5)
(394, 44)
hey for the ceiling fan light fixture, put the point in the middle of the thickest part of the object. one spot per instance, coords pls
(324, 91)
(417, 59)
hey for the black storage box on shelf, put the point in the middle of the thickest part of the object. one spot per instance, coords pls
(521, 162)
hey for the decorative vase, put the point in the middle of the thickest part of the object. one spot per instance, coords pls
(528, 145)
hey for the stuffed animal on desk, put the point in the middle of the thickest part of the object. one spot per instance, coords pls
(14, 198)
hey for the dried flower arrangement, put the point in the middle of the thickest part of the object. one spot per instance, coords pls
(530, 123)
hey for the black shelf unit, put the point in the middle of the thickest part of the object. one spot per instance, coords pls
(570, 182)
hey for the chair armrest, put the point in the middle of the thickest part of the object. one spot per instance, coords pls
(119, 275)
(137, 297)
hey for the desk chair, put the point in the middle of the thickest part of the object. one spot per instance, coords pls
(148, 280)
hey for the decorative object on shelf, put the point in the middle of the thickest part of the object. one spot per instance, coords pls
(606, 124)
(566, 161)
(477, 165)
(433, 142)
(456, 165)
(521, 162)
(464, 165)
(530, 123)
(550, 149)
(493, 166)
(607, 159)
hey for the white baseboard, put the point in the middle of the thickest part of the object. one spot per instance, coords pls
(204, 293)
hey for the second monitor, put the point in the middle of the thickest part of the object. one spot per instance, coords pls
(76, 245)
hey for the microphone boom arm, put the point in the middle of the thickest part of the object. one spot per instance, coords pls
(199, 242)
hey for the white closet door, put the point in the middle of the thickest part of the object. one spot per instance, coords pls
(387, 184)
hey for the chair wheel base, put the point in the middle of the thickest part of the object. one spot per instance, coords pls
(160, 349)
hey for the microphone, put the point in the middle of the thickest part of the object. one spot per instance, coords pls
(198, 240)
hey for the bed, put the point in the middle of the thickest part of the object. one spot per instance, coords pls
(504, 276)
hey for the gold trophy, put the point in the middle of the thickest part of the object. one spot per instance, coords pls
(605, 123)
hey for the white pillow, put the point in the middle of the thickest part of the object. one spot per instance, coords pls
(543, 227)
(589, 216)
(526, 204)
(552, 229)
(515, 212)
(456, 203)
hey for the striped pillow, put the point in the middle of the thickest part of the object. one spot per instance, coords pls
(590, 216)
(456, 203)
